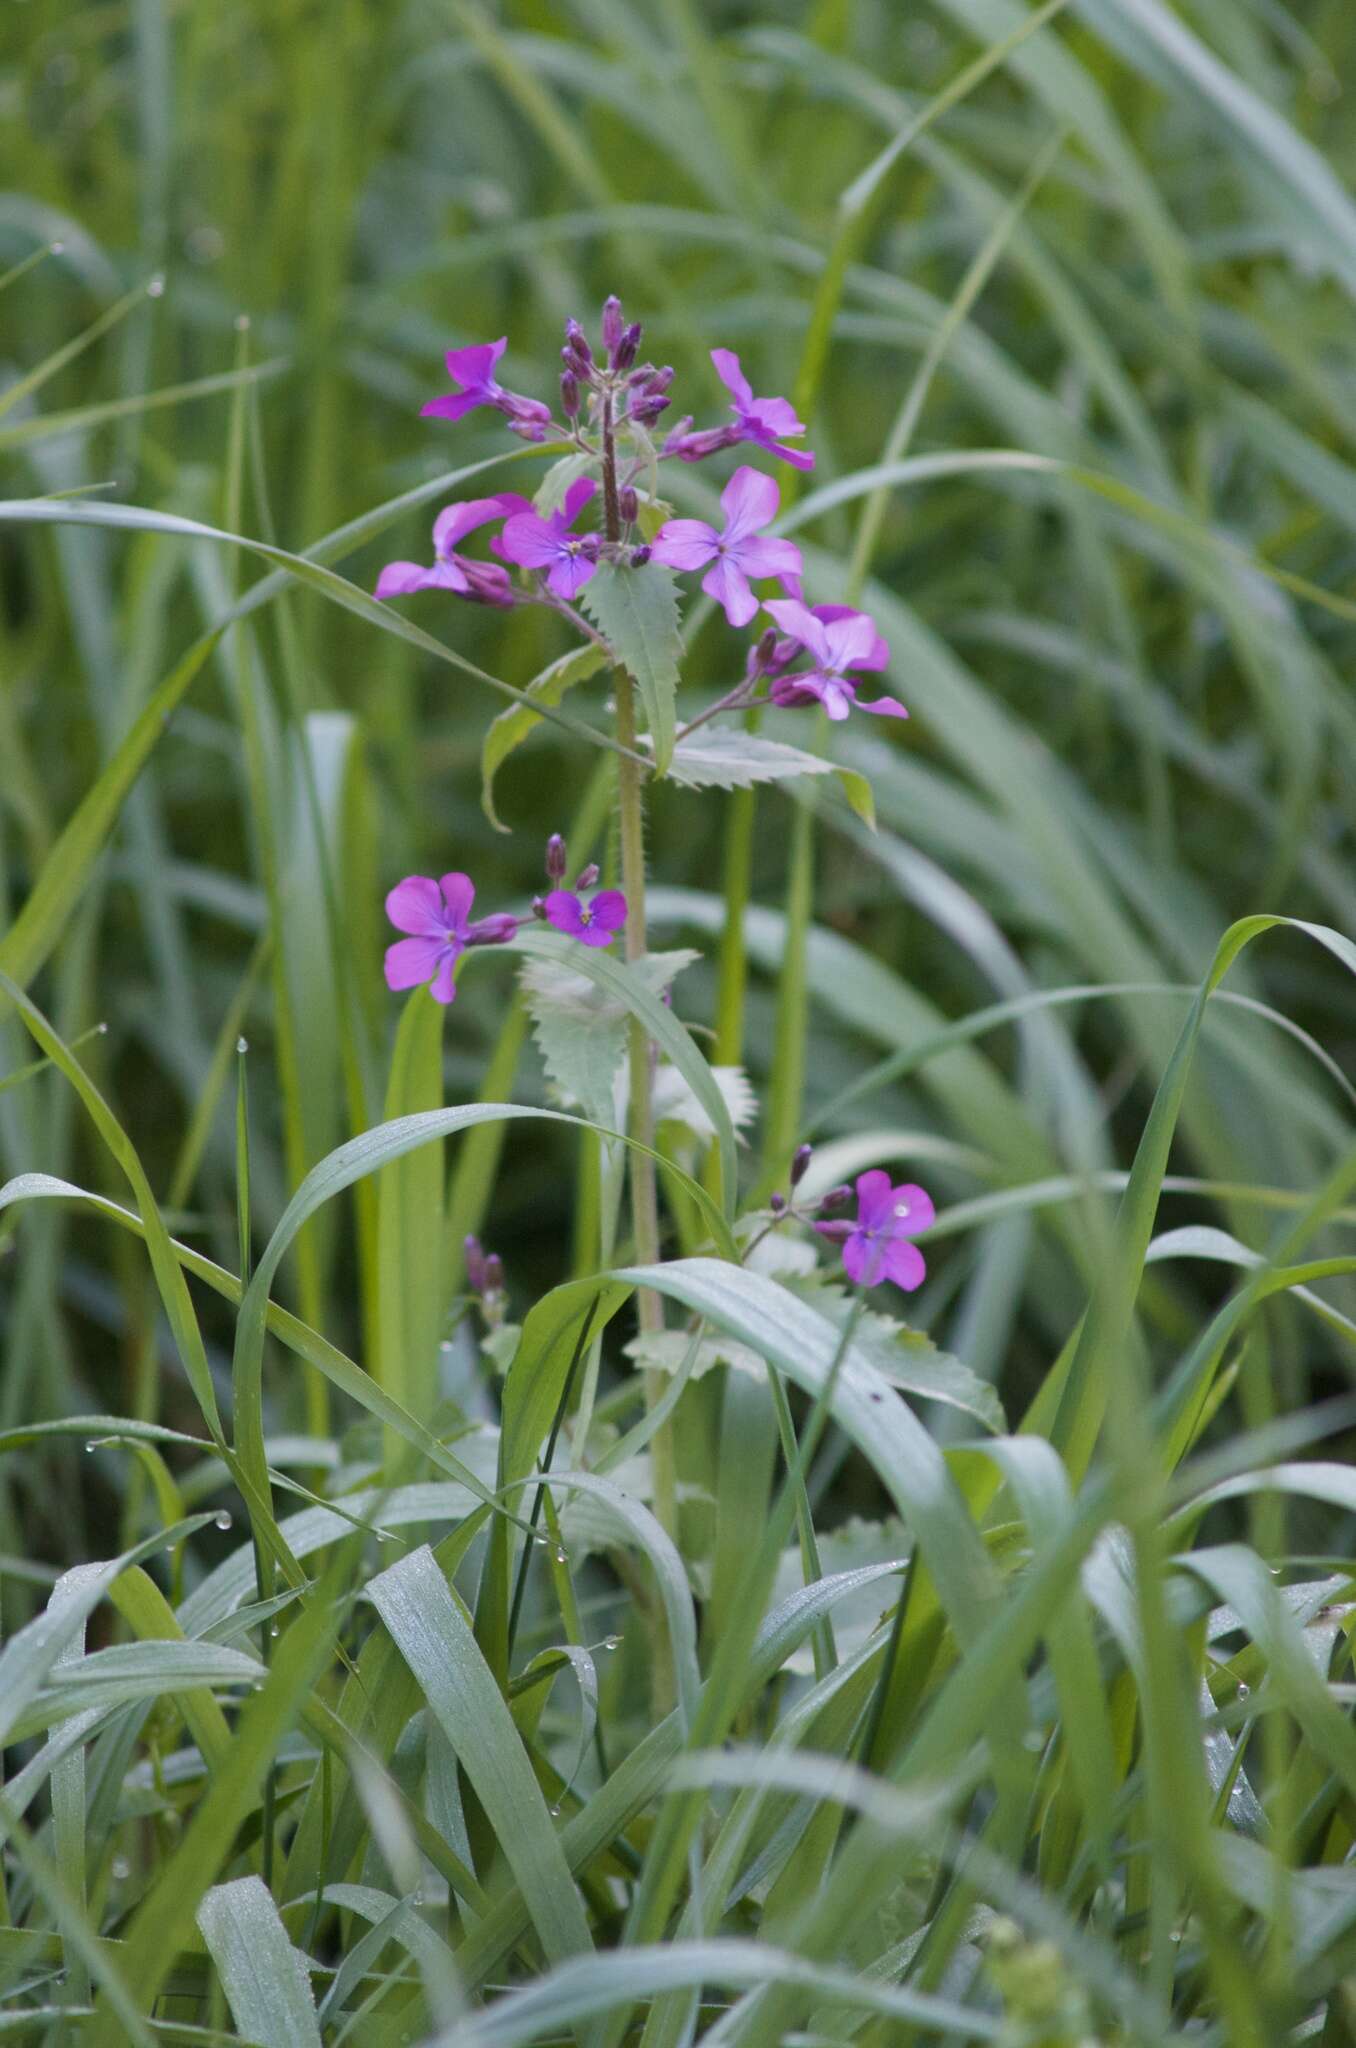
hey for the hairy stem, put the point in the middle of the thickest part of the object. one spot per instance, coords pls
(644, 1199)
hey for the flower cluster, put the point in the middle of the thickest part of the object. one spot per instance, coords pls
(437, 917)
(878, 1245)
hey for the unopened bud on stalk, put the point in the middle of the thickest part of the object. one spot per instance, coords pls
(624, 354)
(555, 858)
(577, 345)
(569, 394)
(837, 1198)
(800, 1159)
(777, 1204)
(641, 555)
(494, 1274)
(475, 1265)
(628, 504)
(586, 877)
(539, 909)
(612, 323)
(764, 651)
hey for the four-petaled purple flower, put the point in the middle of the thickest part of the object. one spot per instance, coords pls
(438, 917)
(484, 582)
(765, 421)
(569, 559)
(876, 1247)
(473, 369)
(750, 501)
(595, 923)
(837, 639)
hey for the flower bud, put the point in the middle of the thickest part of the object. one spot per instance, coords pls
(641, 555)
(586, 877)
(777, 1204)
(569, 394)
(555, 859)
(641, 376)
(494, 1274)
(475, 1265)
(764, 650)
(800, 1159)
(628, 504)
(837, 1198)
(612, 323)
(577, 345)
(658, 383)
(646, 410)
(539, 909)
(624, 354)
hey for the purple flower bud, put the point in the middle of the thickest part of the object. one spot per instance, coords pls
(612, 323)
(577, 345)
(777, 1204)
(539, 908)
(840, 1197)
(493, 930)
(646, 410)
(586, 877)
(836, 1233)
(494, 1274)
(641, 376)
(659, 382)
(475, 1265)
(591, 546)
(569, 394)
(641, 555)
(628, 504)
(624, 354)
(764, 649)
(800, 1159)
(555, 859)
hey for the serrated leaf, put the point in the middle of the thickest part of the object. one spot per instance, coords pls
(512, 727)
(637, 611)
(724, 757)
(581, 1031)
(667, 1351)
(674, 1101)
(908, 1357)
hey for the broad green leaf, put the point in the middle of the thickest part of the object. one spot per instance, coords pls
(637, 611)
(512, 727)
(725, 757)
(582, 1029)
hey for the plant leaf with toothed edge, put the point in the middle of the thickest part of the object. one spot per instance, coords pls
(637, 612)
(723, 757)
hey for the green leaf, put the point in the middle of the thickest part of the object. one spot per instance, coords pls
(637, 611)
(582, 1029)
(410, 1294)
(724, 757)
(266, 1981)
(908, 1358)
(512, 727)
(433, 1633)
(549, 495)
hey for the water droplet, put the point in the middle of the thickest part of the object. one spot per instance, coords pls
(242, 323)
(275, 1628)
(611, 1642)
(223, 1520)
(555, 1813)
(101, 1030)
(120, 1868)
(386, 1536)
(156, 288)
(89, 1447)
(561, 1557)
(56, 249)
(542, 1542)
(242, 1044)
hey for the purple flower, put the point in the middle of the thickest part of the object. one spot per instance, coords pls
(473, 369)
(594, 923)
(836, 638)
(876, 1247)
(761, 420)
(536, 543)
(438, 917)
(750, 501)
(484, 582)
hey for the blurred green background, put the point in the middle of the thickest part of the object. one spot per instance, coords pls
(1130, 721)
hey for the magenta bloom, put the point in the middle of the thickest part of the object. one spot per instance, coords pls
(569, 559)
(473, 370)
(483, 582)
(595, 923)
(438, 917)
(750, 501)
(837, 639)
(761, 420)
(876, 1247)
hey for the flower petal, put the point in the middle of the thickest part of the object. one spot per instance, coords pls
(761, 555)
(837, 697)
(884, 707)
(581, 490)
(459, 893)
(879, 656)
(918, 1202)
(416, 905)
(474, 366)
(609, 910)
(409, 962)
(874, 1197)
(569, 574)
(455, 521)
(685, 544)
(530, 541)
(799, 458)
(398, 579)
(749, 500)
(562, 909)
(732, 377)
(726, 584)
(864, 1259)
(797, 620)
(853, 641)
(904, 1264)
(452, 405)
(443, 987)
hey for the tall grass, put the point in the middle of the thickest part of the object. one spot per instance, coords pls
(988, 1684)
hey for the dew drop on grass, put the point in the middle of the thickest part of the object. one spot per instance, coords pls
(611, 1642)
(223, 1520)
(120, 1868)
(555, 1813)
(561, 1557)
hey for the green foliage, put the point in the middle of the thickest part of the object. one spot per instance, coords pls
(987, 1676)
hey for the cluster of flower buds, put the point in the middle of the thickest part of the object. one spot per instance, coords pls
(485, 1280)
(634, 393)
